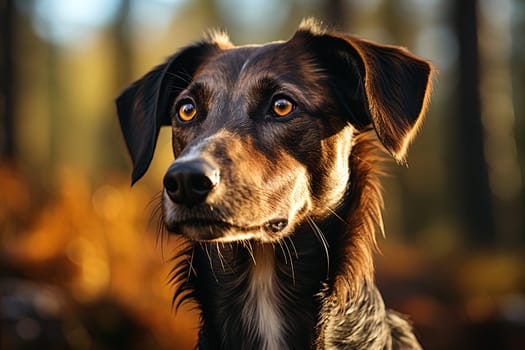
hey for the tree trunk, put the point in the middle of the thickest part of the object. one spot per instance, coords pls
(7, 82)
(474, 189)
(124, 54)
(335, 13)
(518, 88)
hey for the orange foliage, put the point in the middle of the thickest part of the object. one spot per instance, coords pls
(94, 242)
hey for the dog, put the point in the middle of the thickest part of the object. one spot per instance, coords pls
(275, 183)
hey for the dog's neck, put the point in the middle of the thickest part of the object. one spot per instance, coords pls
(259, 296)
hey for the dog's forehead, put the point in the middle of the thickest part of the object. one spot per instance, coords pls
(251, 62)
(236, 56)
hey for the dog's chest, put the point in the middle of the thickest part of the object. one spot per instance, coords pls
(261, 309)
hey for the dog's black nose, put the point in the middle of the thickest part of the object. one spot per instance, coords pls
(189, 183)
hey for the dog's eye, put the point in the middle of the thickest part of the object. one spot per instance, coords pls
(187, 111)
(281, 107)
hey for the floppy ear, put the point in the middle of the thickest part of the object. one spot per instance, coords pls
(383, 85)
(144, 106)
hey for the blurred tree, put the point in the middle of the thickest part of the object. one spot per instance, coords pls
(518, 68)
(335, 13)
(7, 82)
(392, 16)
(475, 194)
(111, 151)
(56, 98)
(123, 53)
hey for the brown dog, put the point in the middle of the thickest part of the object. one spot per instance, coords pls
(275, 182)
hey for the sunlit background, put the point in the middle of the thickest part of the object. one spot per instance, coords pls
(81, 266)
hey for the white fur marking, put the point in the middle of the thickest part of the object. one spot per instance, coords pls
(261, 310)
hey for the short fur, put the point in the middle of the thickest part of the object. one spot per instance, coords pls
(281, 236)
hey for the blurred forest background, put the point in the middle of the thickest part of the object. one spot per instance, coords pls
(81, 266)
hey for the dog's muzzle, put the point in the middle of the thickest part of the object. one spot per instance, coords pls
(189, 183)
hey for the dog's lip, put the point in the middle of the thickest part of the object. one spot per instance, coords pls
(274, 225)
(214, 223)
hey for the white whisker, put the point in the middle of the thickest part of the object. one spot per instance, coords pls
(282, 250)
(211, 261)
(293, 246)
(219, 254)
(319, 234)
(249, 248)
(190, 267)
(336, 215)
(291, 262)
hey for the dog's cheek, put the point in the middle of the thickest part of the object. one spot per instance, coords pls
(270, 183)
(303, 143)
(330, 177)
(289, 189)
(308, 150)
(301, 199)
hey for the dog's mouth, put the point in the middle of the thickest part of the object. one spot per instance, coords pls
(217, 230)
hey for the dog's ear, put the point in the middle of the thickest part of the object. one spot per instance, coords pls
(144, 107)
(383, 85)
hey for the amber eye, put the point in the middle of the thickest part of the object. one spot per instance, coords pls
(187, 111)
(282, 107)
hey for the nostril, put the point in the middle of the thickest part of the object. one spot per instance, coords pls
(172, 186)
(201, 184)
(170, 183)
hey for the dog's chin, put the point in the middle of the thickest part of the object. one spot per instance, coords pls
(217, 231)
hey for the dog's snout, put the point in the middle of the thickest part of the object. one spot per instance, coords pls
(190, 183)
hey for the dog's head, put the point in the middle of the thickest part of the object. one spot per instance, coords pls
(262, 134)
